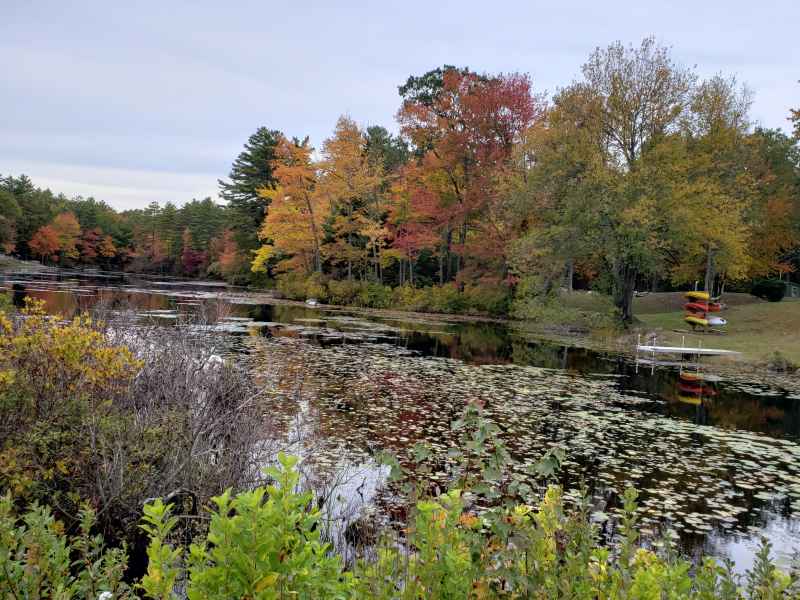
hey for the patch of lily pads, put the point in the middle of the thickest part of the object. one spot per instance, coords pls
(694, 479)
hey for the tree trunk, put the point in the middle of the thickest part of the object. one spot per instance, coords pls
(624, 284)
(710, 275)
(570, 275)
(317, 259)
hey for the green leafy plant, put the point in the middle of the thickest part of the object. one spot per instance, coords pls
(37, 559)
(261, 544)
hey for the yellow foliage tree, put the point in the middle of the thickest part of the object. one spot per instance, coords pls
(291, 232)
(68, 231)
(351, 184)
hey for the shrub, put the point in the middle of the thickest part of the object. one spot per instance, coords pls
(37, 560)
(407, 297)
(83, 417)
(769, 289)
(374, 295)
(446, 299)
(58, 382)
(316, 286)
(261, 544)
(490, 299)
(292, 286)
(343, 292)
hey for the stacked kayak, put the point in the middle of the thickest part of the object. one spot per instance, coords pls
(698, 309)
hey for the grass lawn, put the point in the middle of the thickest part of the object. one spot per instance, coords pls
(756, 328)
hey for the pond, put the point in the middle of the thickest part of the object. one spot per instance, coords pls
(717, 461)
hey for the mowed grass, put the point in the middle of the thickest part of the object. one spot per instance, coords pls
(756, 328)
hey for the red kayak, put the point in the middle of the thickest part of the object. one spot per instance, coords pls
(703, 307)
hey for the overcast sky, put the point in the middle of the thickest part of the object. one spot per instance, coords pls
(139, 101)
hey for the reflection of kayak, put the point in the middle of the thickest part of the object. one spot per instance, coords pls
(698, 296)
(696, 388)
(705, 322)
(703, 307)
(691, 376)
(689, 388)
(694, 400)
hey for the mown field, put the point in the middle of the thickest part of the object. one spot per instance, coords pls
(756, 328)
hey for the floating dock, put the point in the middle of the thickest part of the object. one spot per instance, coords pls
(684, 350)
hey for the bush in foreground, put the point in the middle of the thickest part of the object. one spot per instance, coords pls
(265, 544)
(113, 415)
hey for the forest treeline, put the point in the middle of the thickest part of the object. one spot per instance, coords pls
(193, 239)
(635, 175)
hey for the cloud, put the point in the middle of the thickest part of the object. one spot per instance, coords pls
(121, 188)
(170, 91)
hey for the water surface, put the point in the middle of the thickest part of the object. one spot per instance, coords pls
(717, 461)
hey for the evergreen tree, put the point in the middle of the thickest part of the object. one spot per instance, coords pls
(251, 171)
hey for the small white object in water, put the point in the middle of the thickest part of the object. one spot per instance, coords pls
(312, 302)
(105, 596)
(214, 361)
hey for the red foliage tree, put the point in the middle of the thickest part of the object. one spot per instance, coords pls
(466, 131)
(191, 260)
(89, 244)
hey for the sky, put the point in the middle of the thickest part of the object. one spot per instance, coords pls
(140, 101)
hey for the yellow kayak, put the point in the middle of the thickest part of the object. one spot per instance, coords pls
(696, 321)
(698, 296)
(705, 322)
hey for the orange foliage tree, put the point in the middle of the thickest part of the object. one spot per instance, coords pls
(68, 231)
(45, 243)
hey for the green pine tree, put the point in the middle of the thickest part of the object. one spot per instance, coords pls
(251, 171)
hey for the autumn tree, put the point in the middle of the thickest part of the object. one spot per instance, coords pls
(463, 127)
(45, 243)
(68, 231)
(230, 259)
(350, 181)
(106, 248)
(291, 232)
(772, 165)
(553, 192)
(414, 222)
(88, 245)
(632, 98)
(192, 260)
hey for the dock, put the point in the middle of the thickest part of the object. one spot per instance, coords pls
(684, 350)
